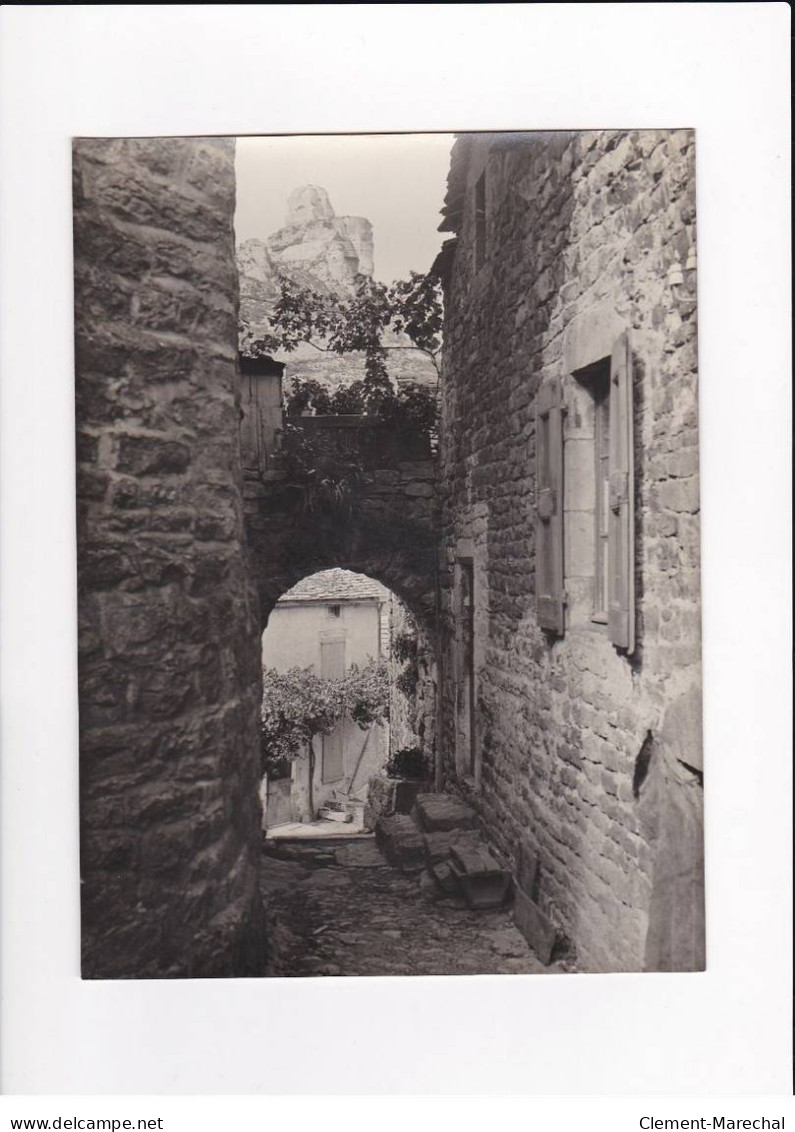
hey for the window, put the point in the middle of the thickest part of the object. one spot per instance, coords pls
(585, 523)
(334, 610)
(480, 222)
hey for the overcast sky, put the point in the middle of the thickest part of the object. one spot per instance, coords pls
(397, 181)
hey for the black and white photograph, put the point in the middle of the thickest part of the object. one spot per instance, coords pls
(388, 554)
(395, 567)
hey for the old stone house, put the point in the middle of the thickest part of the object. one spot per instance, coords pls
(570, 532)
(328, 622)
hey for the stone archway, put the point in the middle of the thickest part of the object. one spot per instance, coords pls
(389, 534)
(331, 623)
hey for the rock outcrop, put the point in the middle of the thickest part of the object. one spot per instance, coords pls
(318, 250)
(315, 248)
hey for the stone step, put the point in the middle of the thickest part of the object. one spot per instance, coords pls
(482, 890)
(401, 842)
(483, 882)
(439, 845)
(474, 860)
(439, 812)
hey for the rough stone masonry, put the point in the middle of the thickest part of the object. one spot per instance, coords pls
(169, 678)
(587, 753)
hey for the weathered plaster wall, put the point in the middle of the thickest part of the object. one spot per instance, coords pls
(293, 639)
(295, 629)
(169, 675)
(582, 230)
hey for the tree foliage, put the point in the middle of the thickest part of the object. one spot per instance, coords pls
(298, 705)
(359, 322)
(405, 651)
(412, 405)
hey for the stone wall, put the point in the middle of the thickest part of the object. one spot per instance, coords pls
(386, 530)
(403, 709)
(169, 674)
(585, 236)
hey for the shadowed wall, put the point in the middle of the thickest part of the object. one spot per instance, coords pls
(169, 626)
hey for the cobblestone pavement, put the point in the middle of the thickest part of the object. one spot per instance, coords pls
(338, 908)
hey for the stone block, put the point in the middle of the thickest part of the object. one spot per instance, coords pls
(148, 455)
(435, 812)
(438, 846)
(445, 878)
(401, 842)
(537, 929)
(474, 860)
(480, 879)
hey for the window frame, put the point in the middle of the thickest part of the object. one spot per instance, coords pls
(601, 389)
(481, 222)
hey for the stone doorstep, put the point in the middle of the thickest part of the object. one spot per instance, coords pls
(439, 812)
(386, 826)
(401, 842)
(537, 929)
(482, 890)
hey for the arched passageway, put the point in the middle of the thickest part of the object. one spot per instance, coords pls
(340, 633)
(388, 534)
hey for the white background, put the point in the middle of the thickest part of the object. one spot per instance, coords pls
(721, 68)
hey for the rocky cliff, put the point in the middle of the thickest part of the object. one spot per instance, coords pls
(315, 248)
(319, 250)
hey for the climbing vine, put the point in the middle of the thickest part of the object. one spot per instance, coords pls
(298, 705)
(405, 652)
(374, 320)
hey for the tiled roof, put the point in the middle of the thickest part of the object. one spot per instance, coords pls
(335, 586)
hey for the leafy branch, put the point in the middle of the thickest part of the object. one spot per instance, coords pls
(357, 323)
(298, 705)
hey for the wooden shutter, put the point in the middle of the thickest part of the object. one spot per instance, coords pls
(549, 507)
(332, 660)
(621, 520)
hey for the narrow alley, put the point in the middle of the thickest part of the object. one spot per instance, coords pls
(336, 907)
